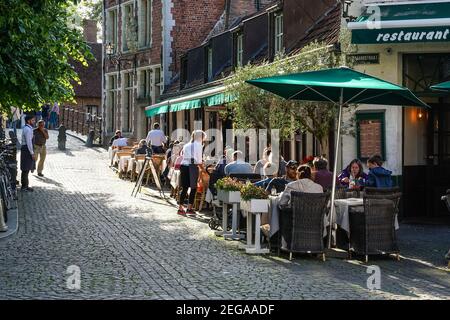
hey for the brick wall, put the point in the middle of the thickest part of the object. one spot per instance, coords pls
(193, 22)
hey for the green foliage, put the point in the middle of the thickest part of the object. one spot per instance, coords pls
(36, 45)
(228, 184)
(256, 108)
(250, 191)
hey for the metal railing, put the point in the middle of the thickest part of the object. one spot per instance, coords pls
(81, 122)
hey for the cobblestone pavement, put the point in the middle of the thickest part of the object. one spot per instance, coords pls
(82, 214)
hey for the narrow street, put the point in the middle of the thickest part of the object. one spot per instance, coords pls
(82, 214)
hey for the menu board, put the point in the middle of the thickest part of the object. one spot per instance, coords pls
(370, 136)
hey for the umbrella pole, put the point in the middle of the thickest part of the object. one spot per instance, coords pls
(336, 155)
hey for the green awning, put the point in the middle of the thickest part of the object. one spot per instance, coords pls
(444, 86)
(186, 105)
(402, 23)
(219, 99)
(206, 98)
(155, 111)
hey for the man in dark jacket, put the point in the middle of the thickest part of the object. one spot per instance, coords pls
(378, 177)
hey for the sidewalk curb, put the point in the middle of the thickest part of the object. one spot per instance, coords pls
(13, 224)
(75, 136)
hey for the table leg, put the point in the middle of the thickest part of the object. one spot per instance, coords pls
(234, 235)
(224, 221)
(257, 248)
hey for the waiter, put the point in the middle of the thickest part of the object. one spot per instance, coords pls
(27, 157)
(156, 139)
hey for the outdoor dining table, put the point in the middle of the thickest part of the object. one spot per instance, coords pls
(342, 212)
(123, 163)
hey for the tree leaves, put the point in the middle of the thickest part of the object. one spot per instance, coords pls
(36, 48)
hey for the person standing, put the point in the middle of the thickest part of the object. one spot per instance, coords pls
(40, 136)
(45, 113)
(27, 157)
(156, 139)
(189, 170)
(54, 116)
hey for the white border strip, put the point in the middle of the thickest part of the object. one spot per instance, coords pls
(401, 23)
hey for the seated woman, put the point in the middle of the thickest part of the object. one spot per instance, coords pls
(303, 184)
(378, 176)
(353, 177)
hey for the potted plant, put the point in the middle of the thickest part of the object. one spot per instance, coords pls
(254, 199)
(228, 190)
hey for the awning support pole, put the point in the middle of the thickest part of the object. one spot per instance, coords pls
(336, 155)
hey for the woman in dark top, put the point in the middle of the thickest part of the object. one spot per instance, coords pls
(142, 149)
(353, 177)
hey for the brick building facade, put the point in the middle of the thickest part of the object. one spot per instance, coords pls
(144, 39)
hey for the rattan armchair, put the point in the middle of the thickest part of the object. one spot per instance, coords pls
(301, 229)
(372, 232)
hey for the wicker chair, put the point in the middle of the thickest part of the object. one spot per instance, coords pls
(373, 231)
(301, 229)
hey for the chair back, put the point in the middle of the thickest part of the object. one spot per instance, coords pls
(379, 219)
(385, 192)
(252, 177)
(308, 212)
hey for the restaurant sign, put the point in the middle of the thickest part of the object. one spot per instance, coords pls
(401, 35)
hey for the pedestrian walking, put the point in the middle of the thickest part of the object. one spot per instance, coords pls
(27, 157)
(156, 139)
(40, 136)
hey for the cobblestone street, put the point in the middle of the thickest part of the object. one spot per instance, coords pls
(138, 248)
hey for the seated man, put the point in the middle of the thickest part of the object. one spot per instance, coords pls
(303, 184)
(322, 175)
(280, 183)
(117, 135)
(280, 178)
(238, 165)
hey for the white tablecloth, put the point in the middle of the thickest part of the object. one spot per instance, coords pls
(342, 216)
(123, 163)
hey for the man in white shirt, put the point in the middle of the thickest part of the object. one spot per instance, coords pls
(156, 139)
(27, 157)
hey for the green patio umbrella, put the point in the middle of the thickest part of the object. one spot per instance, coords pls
(340, 86)
(444, 86)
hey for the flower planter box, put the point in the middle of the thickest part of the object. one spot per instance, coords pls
(255, 205)
(229, 196)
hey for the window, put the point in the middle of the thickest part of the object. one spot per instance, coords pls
(145, 23)
(111, 102)
(370, 134)
(210, 65)
(158, 83)
(187, 120)
(111, 29)
(127, 106)
(145, 83)
(127, 25)
(239, 50)
(279, 34)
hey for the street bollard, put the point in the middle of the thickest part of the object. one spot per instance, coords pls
(62, 138)
(90, 139)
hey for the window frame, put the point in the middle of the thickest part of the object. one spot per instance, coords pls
(145, 24)
(124, 23)
(112, 32)
(278, 33)
(239, 50)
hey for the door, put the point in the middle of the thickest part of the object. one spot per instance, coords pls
(438, 158)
